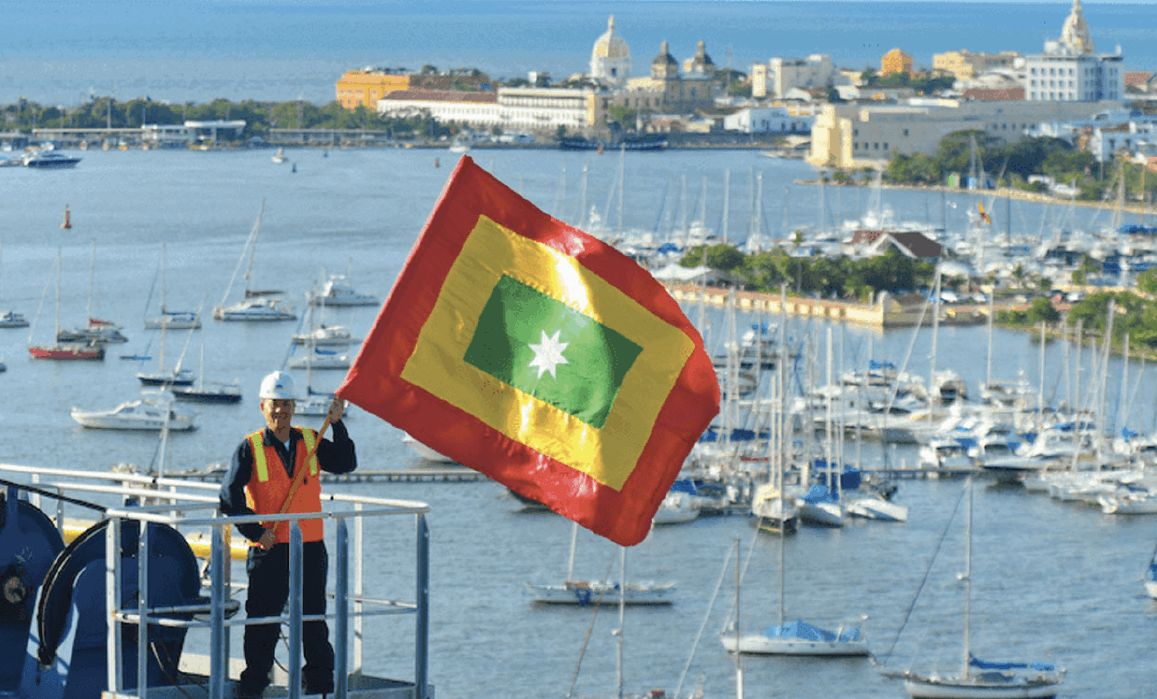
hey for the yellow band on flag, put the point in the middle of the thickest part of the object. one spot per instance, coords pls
(608, 455)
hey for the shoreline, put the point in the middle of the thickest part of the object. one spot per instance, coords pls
(1002, 192)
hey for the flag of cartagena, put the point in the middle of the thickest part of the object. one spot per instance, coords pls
(534, 353)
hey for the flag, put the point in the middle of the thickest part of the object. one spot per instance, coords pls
(539, 356)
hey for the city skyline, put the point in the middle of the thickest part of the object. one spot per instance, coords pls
(276, 51)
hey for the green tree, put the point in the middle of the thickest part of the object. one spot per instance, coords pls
(1042, 311)
(1147, 282)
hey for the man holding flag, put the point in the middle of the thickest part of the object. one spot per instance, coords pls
(276, 471)
(540, 356)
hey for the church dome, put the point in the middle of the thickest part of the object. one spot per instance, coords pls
(664, 59)
(610, 57)
(1075, 34)
(701, 62)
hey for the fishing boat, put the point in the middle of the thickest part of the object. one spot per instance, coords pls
(976, 678)
(584, 592)
(254, 305)
(157, 631)
(58, 349)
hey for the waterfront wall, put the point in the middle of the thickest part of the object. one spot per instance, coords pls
(887, 312)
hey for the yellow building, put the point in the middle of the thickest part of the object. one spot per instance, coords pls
(895, 61)
(363, 88)
(965, 65)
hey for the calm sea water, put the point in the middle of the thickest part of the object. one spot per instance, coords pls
(269, 50)
(1049, 580)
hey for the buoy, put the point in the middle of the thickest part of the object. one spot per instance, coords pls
(435, 162)
(67, 221)
(294, 168)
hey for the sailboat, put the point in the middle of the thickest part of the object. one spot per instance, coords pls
(254, 305)
(58, 349)
(211, 392)
(96, 330)
(12, 319)
(796, 637)
(177, 376)
(583, 592)
(173, 320)
(981, 679)
(279, 157)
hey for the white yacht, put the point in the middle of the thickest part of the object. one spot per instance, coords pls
(255, 309)
(140, 414)
(337, 291)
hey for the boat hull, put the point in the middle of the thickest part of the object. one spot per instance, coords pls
(583, 592)
(67, 352)
(101, 422)
(753, 644)
(227, 394)
(978, 688)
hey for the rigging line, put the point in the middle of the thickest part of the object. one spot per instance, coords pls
(56, 496)
(591, 628)
(927, 572)
(706, 616)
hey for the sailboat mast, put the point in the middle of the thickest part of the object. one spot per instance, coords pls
(622, 608)
(968, 581)
(573, 541)
(726, 202)
(91, 282)
(932, 397)
(622, 176)
(991, 309)
(59, 272)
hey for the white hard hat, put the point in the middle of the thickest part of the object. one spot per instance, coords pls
(278, 386)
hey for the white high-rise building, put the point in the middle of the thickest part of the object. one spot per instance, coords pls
(1069, 70)
(610, 58)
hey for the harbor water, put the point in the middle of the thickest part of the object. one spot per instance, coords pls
(1051, 581)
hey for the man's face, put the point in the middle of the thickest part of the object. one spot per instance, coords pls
(278, 413)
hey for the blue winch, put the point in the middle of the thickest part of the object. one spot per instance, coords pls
(28, 545)
(65, 631)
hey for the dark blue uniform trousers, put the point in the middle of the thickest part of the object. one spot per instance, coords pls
(268, 593)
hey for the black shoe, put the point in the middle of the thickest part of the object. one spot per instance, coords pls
(240, 693)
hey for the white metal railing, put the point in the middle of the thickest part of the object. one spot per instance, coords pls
(175, 503)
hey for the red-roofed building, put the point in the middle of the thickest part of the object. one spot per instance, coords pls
(1140, 81)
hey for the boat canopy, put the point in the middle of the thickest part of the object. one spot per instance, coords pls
(807, 632)
(991, 665)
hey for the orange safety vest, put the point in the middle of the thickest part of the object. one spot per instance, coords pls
(267, 488)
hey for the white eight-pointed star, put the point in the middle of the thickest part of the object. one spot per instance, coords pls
(548, 354)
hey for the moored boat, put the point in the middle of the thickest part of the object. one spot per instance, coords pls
(49, 160)
(337, 291)
(140, 414)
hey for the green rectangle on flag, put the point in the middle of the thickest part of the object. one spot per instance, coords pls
(545, 348)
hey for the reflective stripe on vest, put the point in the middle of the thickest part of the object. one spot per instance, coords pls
(261, 464)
